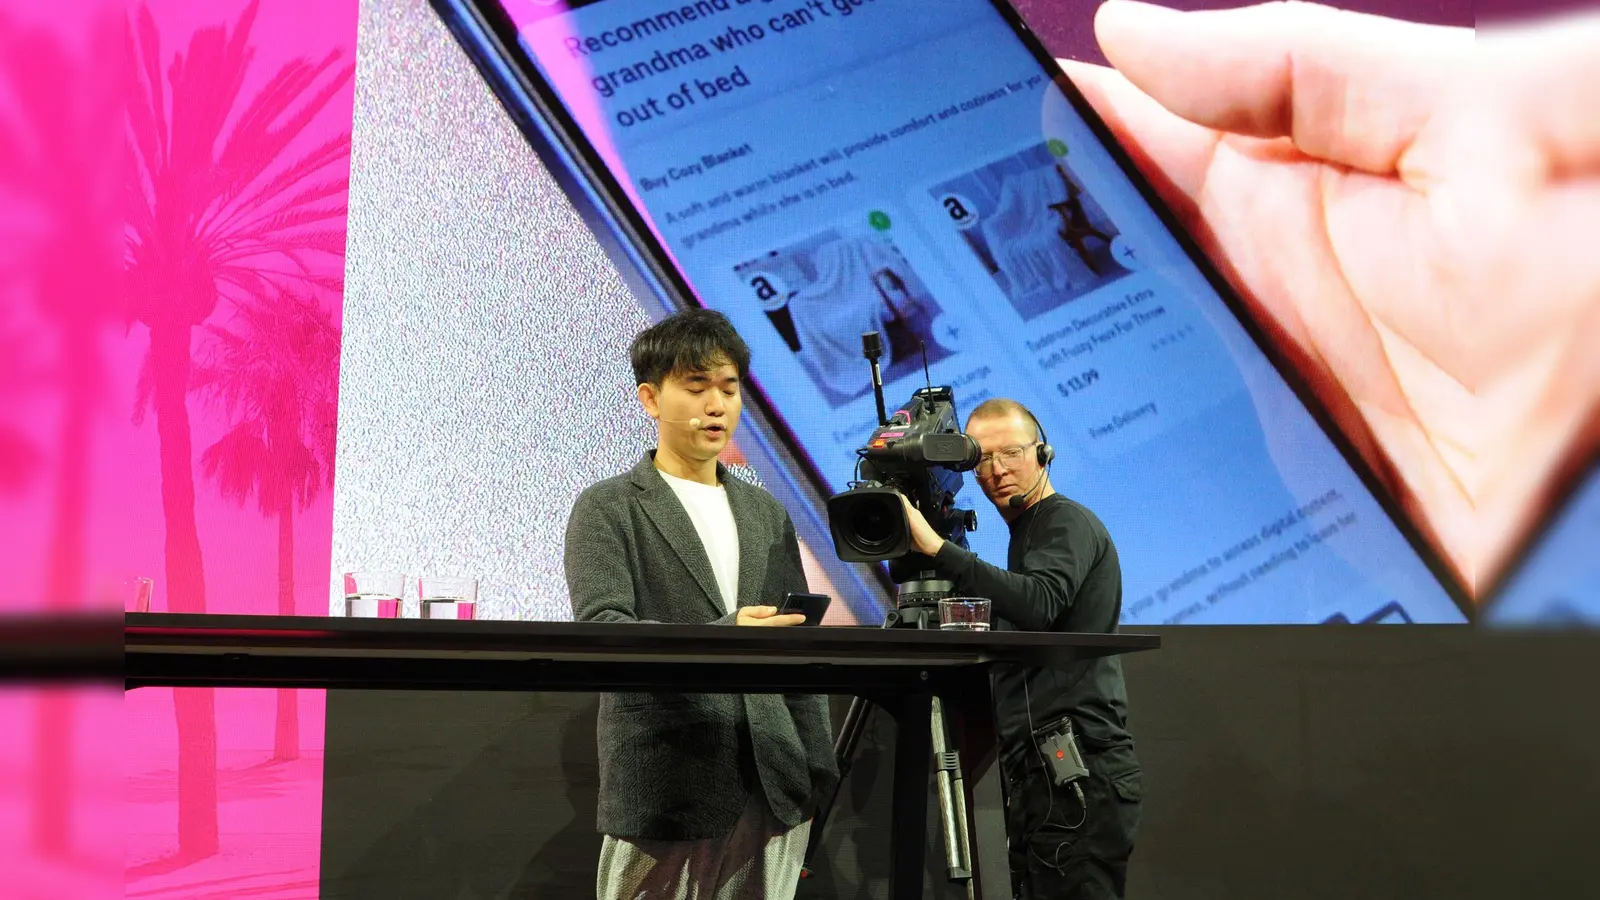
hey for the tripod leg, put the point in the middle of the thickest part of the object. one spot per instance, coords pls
(844, 751)
(952, 798)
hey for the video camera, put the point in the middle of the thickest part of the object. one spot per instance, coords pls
(919, 452)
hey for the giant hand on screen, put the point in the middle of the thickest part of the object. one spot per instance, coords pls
(1412, 215)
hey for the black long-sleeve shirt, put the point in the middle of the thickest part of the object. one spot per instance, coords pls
(1061, 574)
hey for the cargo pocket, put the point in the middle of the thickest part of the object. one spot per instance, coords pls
(1129, 785)
(1123, 827)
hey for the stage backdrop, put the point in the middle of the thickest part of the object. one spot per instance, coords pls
(486, 383)
(481, 383)
(191, 350)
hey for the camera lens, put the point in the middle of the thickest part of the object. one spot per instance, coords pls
(868, 525)
(872, 525)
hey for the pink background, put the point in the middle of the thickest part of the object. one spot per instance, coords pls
(268, 778)
(91, 784)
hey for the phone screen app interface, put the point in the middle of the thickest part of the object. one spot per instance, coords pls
(822, 168)
(1559, 583)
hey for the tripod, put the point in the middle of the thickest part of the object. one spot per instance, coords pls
(917, 606)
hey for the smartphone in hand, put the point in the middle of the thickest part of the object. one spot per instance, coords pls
(812, 606)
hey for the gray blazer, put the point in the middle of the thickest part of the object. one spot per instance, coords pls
(676, 766)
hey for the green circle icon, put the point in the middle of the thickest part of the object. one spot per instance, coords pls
(879, 220)
(1057, 147)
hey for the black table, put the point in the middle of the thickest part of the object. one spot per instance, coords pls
(899, 670)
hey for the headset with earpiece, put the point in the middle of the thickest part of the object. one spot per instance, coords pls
(1044, 453)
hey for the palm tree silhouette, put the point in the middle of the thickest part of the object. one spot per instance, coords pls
(217, 207)
(277, 380)
(20, 458)
(59, 165)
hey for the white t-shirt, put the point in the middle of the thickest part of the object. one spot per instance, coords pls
(707, 505)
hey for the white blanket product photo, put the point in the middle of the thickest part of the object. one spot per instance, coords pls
(1024, 235)
(832, 312)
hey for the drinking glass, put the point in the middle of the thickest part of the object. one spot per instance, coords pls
(373, 595)
(137, 593)
(447, 597)
(964, 614)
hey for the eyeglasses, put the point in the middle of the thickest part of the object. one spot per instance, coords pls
(1006, 458)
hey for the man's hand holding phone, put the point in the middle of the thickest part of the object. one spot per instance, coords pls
(768, 616)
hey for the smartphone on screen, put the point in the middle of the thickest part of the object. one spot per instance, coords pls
(812, 606)
(816, 169)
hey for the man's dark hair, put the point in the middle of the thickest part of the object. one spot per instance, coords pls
(694, 340)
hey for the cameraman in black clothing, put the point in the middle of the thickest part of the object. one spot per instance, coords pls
(1061, 574)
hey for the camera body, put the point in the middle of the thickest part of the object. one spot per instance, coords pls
(919, 452)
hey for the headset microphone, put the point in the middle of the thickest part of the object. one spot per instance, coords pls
(692, 423)
(1045, 454)
(1018, 501)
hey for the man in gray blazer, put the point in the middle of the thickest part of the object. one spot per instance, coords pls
(702, 796)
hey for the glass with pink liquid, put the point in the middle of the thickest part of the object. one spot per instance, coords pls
(373, 595)
(447, 597)
(137, 593)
